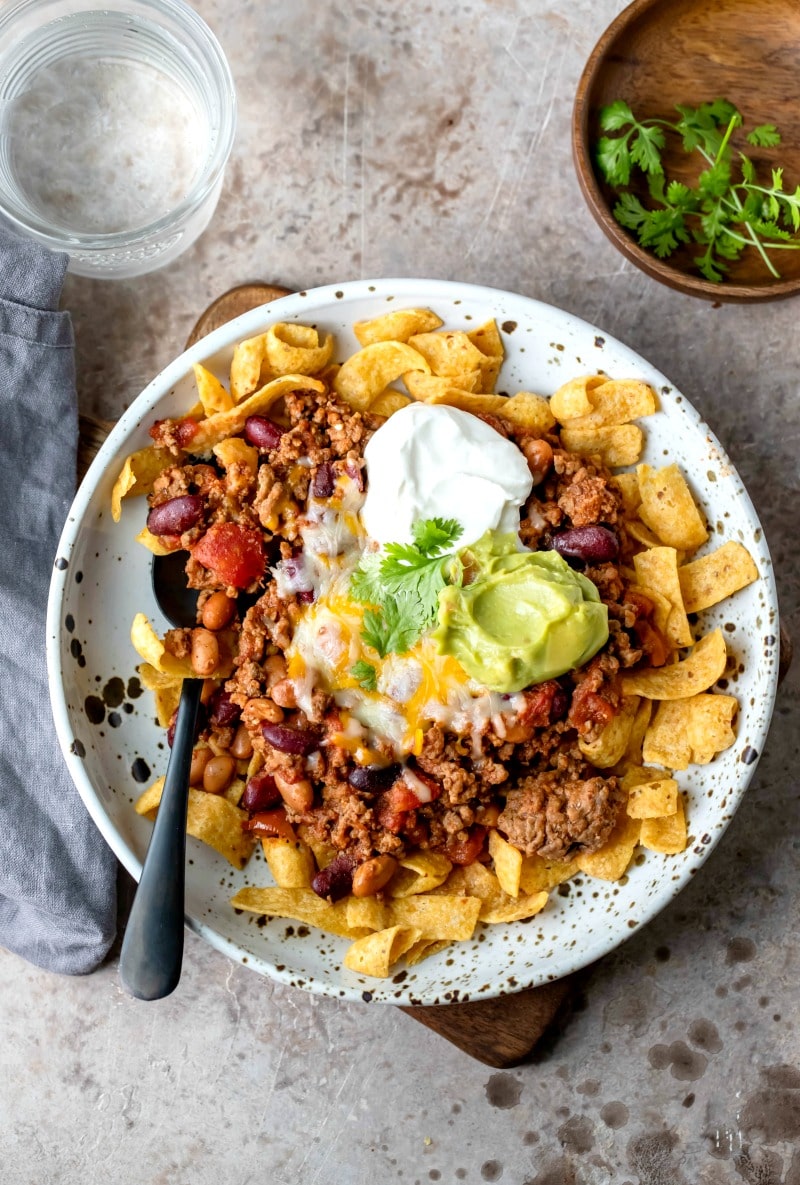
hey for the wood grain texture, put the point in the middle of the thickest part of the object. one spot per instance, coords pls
(661, 52)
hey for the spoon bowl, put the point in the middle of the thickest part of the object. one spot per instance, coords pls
(152, 949)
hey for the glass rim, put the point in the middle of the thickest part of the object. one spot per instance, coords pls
(218, 75)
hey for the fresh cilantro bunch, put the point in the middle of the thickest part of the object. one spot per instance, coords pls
(401, 588)
(726, 211)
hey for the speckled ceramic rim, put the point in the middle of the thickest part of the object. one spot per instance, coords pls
(116, 448)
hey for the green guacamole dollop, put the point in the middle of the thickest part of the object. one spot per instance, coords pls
(526, 616)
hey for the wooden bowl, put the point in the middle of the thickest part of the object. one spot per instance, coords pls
(661, 52)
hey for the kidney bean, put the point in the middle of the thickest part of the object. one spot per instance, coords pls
(217, 611)
(336, 880)
(260, 793)
(322, 482)
(218, 773)
(373, 777)
(223, 711)
(306, 596)
(261, 432)
(289, 740)
(588, 545)
(176, 516)
(174, 720)
(560, 705)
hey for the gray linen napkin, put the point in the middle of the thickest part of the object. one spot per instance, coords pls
(57, 876)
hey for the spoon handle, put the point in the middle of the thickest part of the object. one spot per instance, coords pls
(152, 949)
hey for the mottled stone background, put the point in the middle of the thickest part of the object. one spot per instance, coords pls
(432, 139)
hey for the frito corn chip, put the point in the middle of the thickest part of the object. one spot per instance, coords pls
(423, 949)
(538, 875)
(366, 374)
(418, 873)
(666, 835)
(527, 410)
(375, 953)
(507, 863)
(668, 507)
(213, 395)
(627, 486)
(513, 909)
(612, 860)
(616, 446)
(487, 338)
(572, 399)
(236, 451)
(657, 569)
(388, 403)
(690, 731)
(422, 386)
(291, 863)
(230, 423)
(712, 578)
(642, 534)
(301, 905)
(616, 401)
(448, 353)
(435, 915)
(471, 401)
(610, 746)
(633, 750)
(248, 358)
(397, 326)
(152, 542)
(234, 791)
(654, 799)
(210, 818)
(478, 883)
(699, 671)
(138, 474)
(324, 853)
(149, 646)
(296, 349)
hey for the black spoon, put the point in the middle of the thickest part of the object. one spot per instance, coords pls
(152, 949)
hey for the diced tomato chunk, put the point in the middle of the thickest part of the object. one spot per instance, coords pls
(466, 851)
(393, 806)
(233, 552)
(271, 823)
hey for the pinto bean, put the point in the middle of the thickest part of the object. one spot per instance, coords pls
(372, 876)
(298, 796)
(200, 759)
(218, 774)
(241, 745)
(205, 652)
(539, 456)
(283, 693)
(217, 611)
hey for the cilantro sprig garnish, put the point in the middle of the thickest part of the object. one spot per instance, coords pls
(401, 586)
(725, 212)
(365, 675)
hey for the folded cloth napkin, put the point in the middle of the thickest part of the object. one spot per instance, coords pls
(57, 876)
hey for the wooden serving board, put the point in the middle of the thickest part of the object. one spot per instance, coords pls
(502, 1032)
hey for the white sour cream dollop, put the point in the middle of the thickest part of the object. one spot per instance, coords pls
(430, 461)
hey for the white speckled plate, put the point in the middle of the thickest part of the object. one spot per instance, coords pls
(112, 745)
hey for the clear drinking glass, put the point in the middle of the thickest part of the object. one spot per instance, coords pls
(115, 127)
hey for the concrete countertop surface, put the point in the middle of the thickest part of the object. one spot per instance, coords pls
(433, 139)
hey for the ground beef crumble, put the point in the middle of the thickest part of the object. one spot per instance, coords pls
(526, 775)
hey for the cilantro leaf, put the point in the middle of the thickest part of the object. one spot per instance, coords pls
(723, 212)
(615, 116)
(614, 160)
(365, 674)
(766, 135)
(646, 149)
(402, 586)
(392, 629)
(433, 535)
